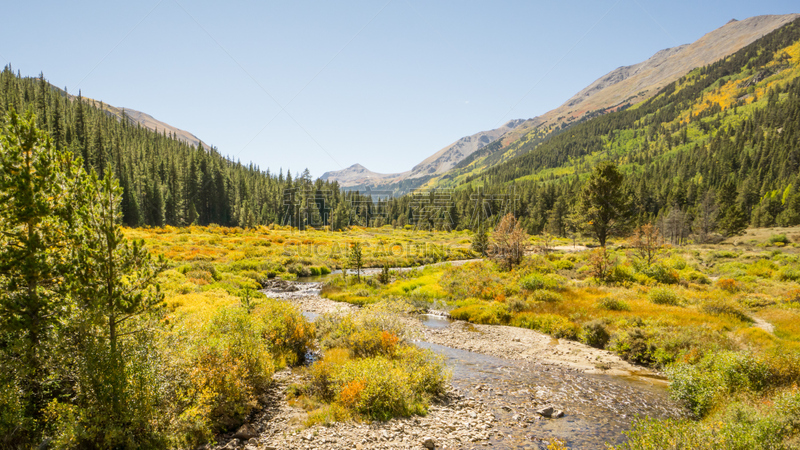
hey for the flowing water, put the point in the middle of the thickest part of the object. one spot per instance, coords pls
(597, 408)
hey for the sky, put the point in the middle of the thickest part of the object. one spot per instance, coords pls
(324, 85)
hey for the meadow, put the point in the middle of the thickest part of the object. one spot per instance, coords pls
(721, 321)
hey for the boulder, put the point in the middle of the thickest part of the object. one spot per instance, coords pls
(246, 432)
(429, 443)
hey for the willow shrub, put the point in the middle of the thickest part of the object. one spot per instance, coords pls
(222, 362)
(772, 423)
(369, 370)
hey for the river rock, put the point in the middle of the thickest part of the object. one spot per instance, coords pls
(547, 411)
(246, 432)
(429, 443)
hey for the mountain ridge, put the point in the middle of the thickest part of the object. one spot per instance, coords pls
(619, 88)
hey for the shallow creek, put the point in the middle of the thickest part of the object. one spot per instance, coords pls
(597, 408)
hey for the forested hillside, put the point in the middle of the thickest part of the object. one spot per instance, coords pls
(166, 181)
(719, 149)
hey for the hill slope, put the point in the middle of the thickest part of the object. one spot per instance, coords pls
(618, 89)
(440, 162)
(716, 150)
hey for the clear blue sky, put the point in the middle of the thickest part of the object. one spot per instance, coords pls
(324, 85)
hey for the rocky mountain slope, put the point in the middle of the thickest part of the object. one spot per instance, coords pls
(638, 82)
(619, 88)
(440, 162)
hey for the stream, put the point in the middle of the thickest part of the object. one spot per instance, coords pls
(598, 408)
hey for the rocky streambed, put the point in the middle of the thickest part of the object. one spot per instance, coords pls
(508, 387)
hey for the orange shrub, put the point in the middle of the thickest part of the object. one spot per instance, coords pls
(729, 285)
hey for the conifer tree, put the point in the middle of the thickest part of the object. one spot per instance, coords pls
(37, 183)
(604, 206)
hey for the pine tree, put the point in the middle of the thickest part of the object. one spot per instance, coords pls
(356, 259)
(37, 186)
(604, 206)
(116, 285)
(480, 241)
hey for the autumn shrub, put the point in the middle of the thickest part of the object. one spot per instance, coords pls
(621, 274)
(564, 264)
(545, 296)
(613, 304)
(594, 333)
(491, 313)
(661, 273)
(694, 276)
(228, 365)
(517, 304)
(537, 281)
(427, 372)
(377, 387)
(554, 325)
(320, 374)
(788, 273)
(284, 329)
(472, 280)
(299, 270)
(600, 264)
(737, 425)
(763, 268)
(779, 239)
(725, 307)
(700, 385)
(664, 296)
(634, 345)
(729, 285)
(722, 254)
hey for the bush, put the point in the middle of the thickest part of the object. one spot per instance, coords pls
(789, 273)
(762, 268)
(613, 304)
(779, 239)
(594, 333)
(701, 384)
(286, 331)
(620, 274)
(493, 313)
(537, 281)
(726, 307)
(564, 264)
(729, 285)
(378, 387)
(634, 345)
(375, 388)
(556, 326)
(516, 304)
(229, 367)
(694, 276)
(661, 273)
(664, 296)
(546, 296)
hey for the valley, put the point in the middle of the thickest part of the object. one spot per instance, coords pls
(621, 272)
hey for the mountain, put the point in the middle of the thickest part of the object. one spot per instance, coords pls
(632, 84)
(714, 151)
(358, 176)
(145, 120)
(618, 89)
